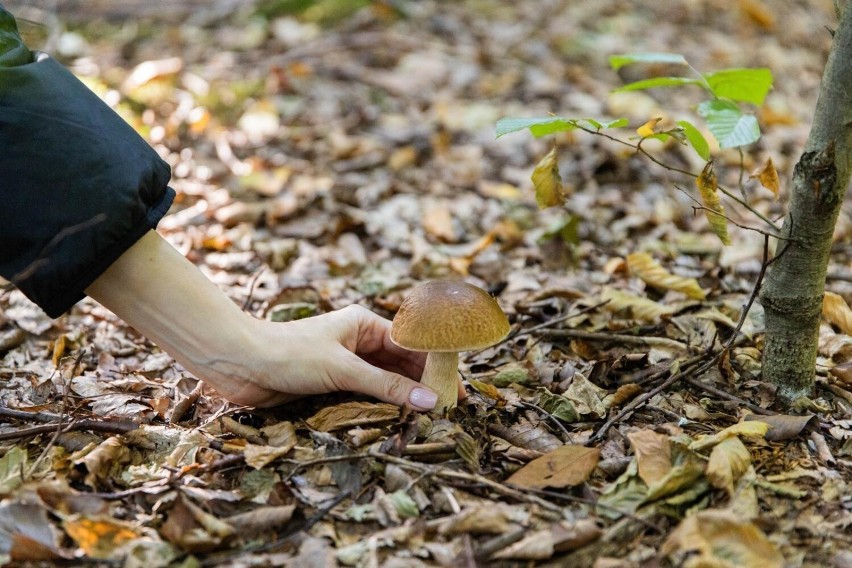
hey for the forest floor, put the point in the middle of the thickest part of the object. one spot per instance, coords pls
(329, 153)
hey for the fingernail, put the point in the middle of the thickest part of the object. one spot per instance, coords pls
(423, 398)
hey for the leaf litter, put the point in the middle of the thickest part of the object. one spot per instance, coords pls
(342, 152)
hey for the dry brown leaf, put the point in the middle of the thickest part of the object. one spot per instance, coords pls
(837, 311)
(783, 426)
(723, 540)
(549, 190)
(632, 306)
(561, 537)
(563, 467)
(622, 395)
(262, 519)
(99, 537)
(643, 266)
(480, 519)
(438, 222)
(728, 461)
(261, 456)
(713, 209)
(653, 455)
(767, 175)
(647, 129)
(27, 533)
(282, 434)
(528, 436)
(352, 414)
(759, 13)
(111, 452)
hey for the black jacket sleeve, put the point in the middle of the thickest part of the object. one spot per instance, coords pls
(78, 186)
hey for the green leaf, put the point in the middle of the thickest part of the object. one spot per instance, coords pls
(729, 124)
(696, 139)
(657, 82)
(557, 405)
(598, 125)
(12, 470)
(404, 505)
(538, 126)
(747, 85)
(542, 126)
(619, 61)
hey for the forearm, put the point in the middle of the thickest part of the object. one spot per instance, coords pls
(166, 298)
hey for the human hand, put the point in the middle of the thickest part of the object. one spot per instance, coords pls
(249, 361)
(345, 350)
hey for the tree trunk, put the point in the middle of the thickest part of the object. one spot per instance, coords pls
(793, 292)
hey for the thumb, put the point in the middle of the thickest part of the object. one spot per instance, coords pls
(357, 375)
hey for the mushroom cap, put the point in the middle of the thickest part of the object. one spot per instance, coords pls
(447, 315)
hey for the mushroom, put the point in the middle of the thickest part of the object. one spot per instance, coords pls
(442, 318)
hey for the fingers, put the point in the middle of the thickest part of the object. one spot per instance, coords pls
(372, 341)
(355, 374)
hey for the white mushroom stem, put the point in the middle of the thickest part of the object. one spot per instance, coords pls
(441, 375)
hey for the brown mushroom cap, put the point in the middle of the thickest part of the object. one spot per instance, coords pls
(446, 315)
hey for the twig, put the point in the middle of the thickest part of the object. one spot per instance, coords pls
(106, 426)
(642, 399)
(552, 418)
(638, 147)
(554, 321)
(728, 396)
(472, 477)
(594, 503)
(633, 339)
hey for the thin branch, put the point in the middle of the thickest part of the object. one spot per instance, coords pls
(632, 339)
(638, 147)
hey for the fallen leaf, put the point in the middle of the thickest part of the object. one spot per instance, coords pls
(488, 390)
(262, 519)
(837, 312)
(549, 190)
(282, 434)
(653, 455)
(783, 426)
(352, 414)
(722, 540)
(26, 533)
(767, 175)
(99, 537)
(643, 266)
(12, 469)
(260, 456)
(632, 306)
(563, 467)
(713, 209)
(759, 13)
(748, 428)
(728, 461)
(479, 519)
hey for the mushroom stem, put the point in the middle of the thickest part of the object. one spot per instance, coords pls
(441, 375)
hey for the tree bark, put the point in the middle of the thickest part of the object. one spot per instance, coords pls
(793, 292)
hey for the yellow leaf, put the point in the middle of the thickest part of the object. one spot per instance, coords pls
(722, 540)
(714, 211)
(647, 129)
(759, 13)
(837, 311)
(748, 428)
(98, 537)
(728, 461)
(643, 266)
(549, 190)
(653, 455)
(768, 177)
(634, 306)
(488, 390)
(563, 467)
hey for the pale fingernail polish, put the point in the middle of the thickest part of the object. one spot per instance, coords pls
(423, 398)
